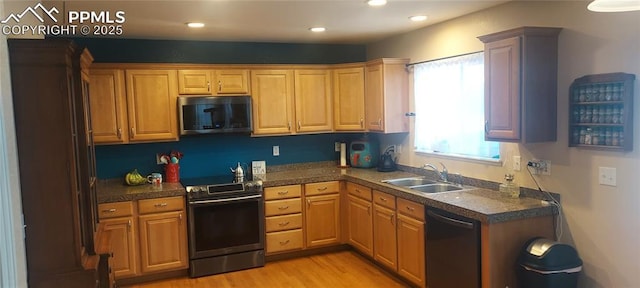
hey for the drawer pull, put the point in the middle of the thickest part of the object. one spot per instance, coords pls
(160, 205)
(383, 199)
(358, 190)
(112, 210)
(284, 242)
(323, 188)
(283, 223)
(410, 209)
(283, 192)
(283, 207)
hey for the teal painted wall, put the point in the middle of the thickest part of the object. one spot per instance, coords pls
(206, 155)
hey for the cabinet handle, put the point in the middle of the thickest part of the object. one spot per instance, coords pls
(133, 131)
(283, 207)
(283, 223)
(369, 209)
(410, 209)
(289, 125)
(219, 86)
(323, 188)
(299, 124)
(129, 225)
(358, 191)
(283, 192)
(361, 123)
(112, 210)
(180, 216)
(208, 86)
(391, 218)
(308, 203)
(379, 121)
(284, 242)
(383, 199)
(160, 205)
(119, 133)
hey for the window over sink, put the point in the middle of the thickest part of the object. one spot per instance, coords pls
(449, 104)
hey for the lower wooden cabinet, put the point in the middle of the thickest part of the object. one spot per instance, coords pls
(147, 236)
(283, 221)
(322, 216)
(360, 221)
(284, 241)
(384, 230)
(411, 246)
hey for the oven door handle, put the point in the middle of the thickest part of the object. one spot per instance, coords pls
(225, 200)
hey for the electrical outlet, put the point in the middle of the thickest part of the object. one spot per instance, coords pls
(540, 167)
(398, 149)
(276, 150)
(158, 159)
(337, 147)
(516, 163)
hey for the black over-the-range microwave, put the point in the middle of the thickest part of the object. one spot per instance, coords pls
(214, 114)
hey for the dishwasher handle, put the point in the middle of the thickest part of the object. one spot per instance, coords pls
(451, 221)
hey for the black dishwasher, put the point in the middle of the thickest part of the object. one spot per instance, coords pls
(453, 250)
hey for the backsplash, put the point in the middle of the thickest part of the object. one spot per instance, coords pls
(207, 155)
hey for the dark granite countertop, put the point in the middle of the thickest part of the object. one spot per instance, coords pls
(484, 205)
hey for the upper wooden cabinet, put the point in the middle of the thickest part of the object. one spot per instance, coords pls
(213, 82)
(272, 101)
(108, 106)
(348, 99)
(387, 95)
(313, 100)
(521, 84)
(151, 102)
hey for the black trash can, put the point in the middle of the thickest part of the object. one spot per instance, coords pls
(544, 263)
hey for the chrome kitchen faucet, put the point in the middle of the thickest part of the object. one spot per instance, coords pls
(444, 174)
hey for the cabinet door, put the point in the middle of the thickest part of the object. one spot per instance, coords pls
(348, 98)
(314, 109)
(232, 81)
(108, 106)
(384, 236)
(360, 221)
(374, 105)
(502, 89)
(194, 82)
(322, 215)
(411, 257)
(124, 245)
(151, 97)
(163, 241)
(272, 101)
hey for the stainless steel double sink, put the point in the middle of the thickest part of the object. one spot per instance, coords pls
(424, 185)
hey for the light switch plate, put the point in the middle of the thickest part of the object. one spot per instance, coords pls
(516, 163)
(607, 176)
(276, 150)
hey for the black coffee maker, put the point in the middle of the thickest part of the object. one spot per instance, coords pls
(387, 161)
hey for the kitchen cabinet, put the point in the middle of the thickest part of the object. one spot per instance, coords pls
(273, 108)
(360, 218)
(322, 214)
(387, 95)
(411, 242)
(151, 104)
(601, 112)
(213, 82)
(521, 84)
(348, 99)
(163, 234)
(284, 222)
(118, 218)
(313, 102)
(49, 85)
(384, 230)
(108, 106)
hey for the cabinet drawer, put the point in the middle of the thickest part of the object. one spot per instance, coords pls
(161, 205)
(284, 222)
(321, 188)
(411, 209)
(283, 207)
(359, 191)
(384, 199)
(283, 241)
(282, 192)
(116, 209)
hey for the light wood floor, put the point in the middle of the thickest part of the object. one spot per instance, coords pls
(331, 270)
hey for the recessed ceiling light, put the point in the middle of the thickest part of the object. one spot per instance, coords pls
(418, 18)
(376, 2)
(318, 29)
(614, 5)
(195, 25)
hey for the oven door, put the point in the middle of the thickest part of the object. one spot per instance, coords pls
(226, 226)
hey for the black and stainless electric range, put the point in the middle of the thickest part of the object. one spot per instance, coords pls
(226, 225)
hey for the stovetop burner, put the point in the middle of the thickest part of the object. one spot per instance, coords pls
(219, 187)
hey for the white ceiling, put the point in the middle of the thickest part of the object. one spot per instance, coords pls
(347, 21)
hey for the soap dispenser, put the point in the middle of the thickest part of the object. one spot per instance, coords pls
(509, 189)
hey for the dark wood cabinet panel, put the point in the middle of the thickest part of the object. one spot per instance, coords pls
(57, 161)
